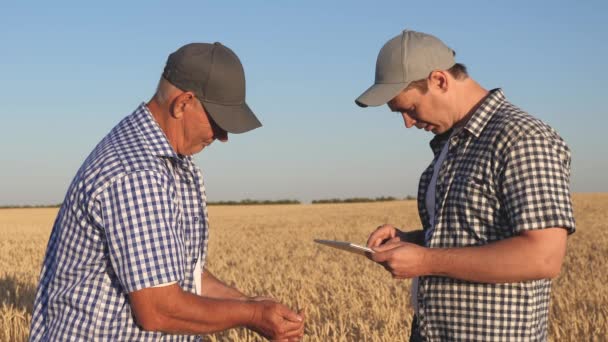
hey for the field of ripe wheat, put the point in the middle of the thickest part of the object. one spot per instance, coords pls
(268, 250)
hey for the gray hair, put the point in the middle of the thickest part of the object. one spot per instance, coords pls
(164, 90)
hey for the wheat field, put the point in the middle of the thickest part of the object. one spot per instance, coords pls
(268, 250)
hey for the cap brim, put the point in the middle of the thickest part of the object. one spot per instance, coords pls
(379, 94)
(233, 119)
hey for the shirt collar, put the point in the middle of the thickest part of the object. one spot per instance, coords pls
(478, 120)
(153, 136)
(486, 110)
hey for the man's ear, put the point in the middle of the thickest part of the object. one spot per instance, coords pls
(180, 104)
(439, 80)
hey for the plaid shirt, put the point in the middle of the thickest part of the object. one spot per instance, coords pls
(505, 172)
(133, 217)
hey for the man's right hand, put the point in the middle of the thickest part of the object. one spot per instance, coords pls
(276, 321)
(382, 234)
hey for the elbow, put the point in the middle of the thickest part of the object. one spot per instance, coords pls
(553, 271)
(156, 319)
(156, 316)
(553, 263)
(549, 269)
(547, 247)
(150, 322)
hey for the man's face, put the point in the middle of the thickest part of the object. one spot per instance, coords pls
(199, 128)
(424, 111)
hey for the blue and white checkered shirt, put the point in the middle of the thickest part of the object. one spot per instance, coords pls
(134, 217)
(505, 172)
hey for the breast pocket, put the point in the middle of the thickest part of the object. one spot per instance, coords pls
(474, 207)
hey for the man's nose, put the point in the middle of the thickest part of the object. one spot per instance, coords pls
(408, 120)
(221, 136)
(218, 132)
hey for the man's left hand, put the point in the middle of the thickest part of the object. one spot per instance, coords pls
(402, 259)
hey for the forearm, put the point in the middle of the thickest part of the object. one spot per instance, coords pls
(516, 259)
(186, 313)
(215, 288)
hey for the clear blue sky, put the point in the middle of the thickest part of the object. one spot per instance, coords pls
(71, 71)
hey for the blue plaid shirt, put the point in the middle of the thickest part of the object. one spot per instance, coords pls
(134, 217)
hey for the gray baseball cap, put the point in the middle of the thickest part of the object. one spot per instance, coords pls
(216, 77)
(408, 57)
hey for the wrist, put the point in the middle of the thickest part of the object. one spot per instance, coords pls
(429, 261)
(254, 313)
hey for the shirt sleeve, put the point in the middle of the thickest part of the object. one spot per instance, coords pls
(536, 184)
(140, 219)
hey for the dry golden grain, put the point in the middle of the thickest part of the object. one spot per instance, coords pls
(268, 250)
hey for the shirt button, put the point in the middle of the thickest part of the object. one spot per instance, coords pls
(195, 218)
(187, 181)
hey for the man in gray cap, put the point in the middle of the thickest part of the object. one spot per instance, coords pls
(494, 202)
(125, 260)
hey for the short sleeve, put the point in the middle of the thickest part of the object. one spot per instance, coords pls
(140, 219)
(536, 184)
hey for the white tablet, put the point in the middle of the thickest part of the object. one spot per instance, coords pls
(347, 246)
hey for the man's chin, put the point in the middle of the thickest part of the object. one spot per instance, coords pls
(426, 127)
(204, 145)
(199, 148)
(438, 131)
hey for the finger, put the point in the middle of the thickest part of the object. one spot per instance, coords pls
(291, 329)
(392, 231)
(295, 334)
(388, 246)
(397, 274)
(390, 241)
(294, 339)
(400, 273)
(291, 316)
(262, 298)
(381, 257)
(374, 239)
(380, 234)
